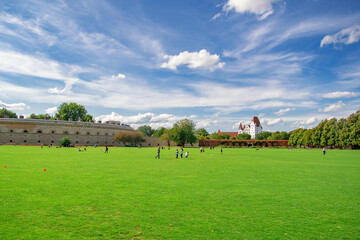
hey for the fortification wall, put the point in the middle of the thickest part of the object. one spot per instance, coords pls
(37, 132)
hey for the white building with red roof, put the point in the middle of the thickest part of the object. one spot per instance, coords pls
(253, 129)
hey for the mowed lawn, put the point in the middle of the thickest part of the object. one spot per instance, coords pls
(128, 194)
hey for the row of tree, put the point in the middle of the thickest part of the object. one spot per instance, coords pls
(181, 133)
(65, 112)
(342, 133)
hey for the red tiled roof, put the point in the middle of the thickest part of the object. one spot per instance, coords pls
(256, 121)
(231, 134)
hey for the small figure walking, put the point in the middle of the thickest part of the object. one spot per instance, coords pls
(158, 153)
(186, 154)
(324, 151)
(181, 153)
(106, 149)
(221, 151)
(177, 153)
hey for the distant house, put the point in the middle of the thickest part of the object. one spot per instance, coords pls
(253, 129)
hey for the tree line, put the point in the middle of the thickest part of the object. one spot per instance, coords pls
(330, 132)
(65, 112)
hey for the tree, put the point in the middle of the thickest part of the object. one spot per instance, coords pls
(202, 131)
(88, 118)
(146, 130)
(263, 135)
(244, 136)
(65, 142)
(214, 136)
(125, 137)
(158, 132)
(40, 116)
(71, 110)
(224, 136)
(183, 132)
(279, 136)
(7, 113)
(167, 136)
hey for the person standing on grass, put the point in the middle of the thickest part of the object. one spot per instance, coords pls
(324, 151)
(221, 150)
(186, 154)
(106, 149)
(158, 153)
(177, 153)
(181, 153)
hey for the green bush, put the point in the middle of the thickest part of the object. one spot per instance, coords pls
(65, 142)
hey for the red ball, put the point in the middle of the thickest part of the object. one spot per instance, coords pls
(4, 166)
(44, 169)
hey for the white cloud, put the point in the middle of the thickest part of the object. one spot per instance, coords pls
(51, 111)
(121, 76)
(215, 16)
(341, 95)
(150, 119)
(283, 111)
(206, 123)
(262, 8)
(12, 106)
(15, 62)
(24, 29)
(346, 36)
(271, 122)
(201, 59)
(333, 107)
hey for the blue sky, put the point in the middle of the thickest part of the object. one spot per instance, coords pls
(221, 62)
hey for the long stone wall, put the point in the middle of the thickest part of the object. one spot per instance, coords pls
(37, 132)
(49, 132)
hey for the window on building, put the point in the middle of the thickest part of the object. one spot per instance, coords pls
(65, 132)
(11, 130)
(77, 133)
(39, 131)
(53, 132)
(10, 140)
(88, 133)
(25, 131)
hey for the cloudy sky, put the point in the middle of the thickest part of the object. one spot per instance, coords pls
(217, 62)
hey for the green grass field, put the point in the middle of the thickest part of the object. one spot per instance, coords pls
(128, 194)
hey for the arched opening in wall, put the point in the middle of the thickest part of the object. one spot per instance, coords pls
(25, 131)
(149, 144)
(39, 131)
(38, 141)
(98, 133)
(52, 141)
(52, 132)
(11, 130)
(66, 132)
(24, 141)
(77, 142)
(88, 133)
(10, 140)
(87, 142)
(77, 133)
(105, 142)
